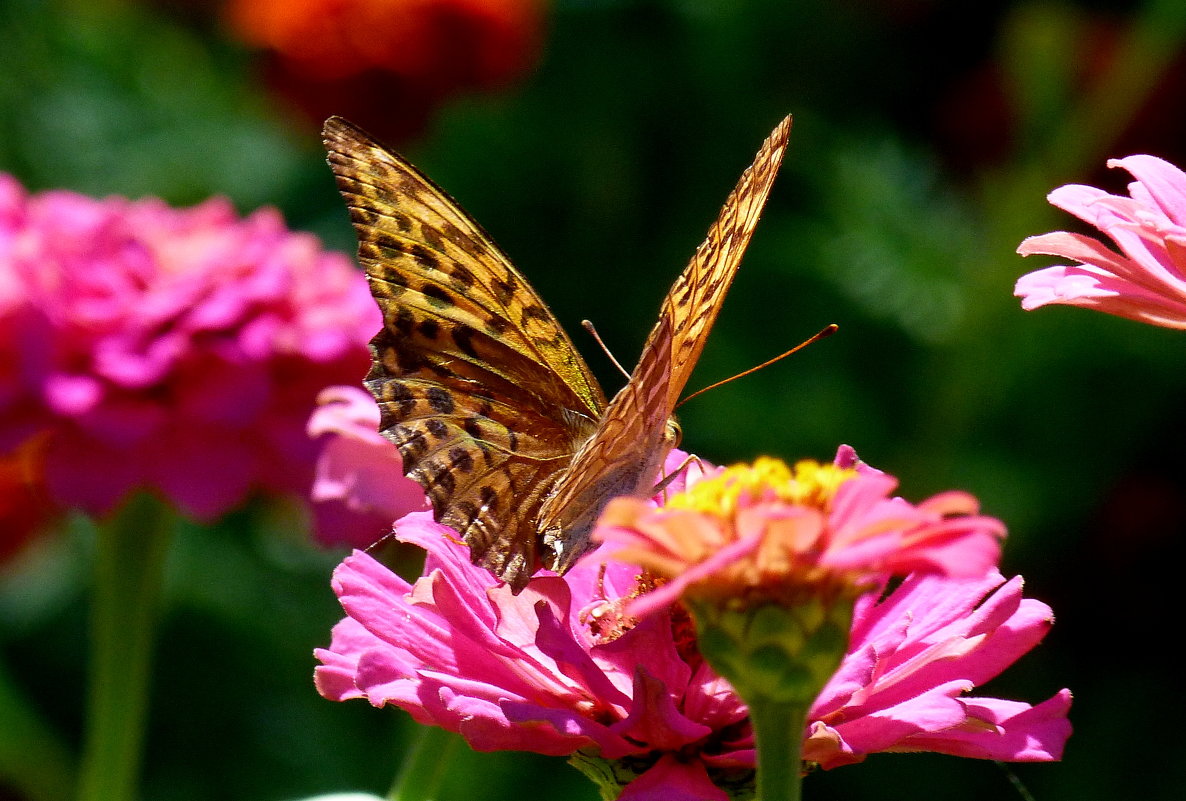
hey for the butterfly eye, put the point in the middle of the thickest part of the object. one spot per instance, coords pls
(674, 434)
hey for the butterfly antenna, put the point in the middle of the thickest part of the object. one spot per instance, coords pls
(827, 332)
(588, 326)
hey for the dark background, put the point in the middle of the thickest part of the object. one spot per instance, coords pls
(926, 136)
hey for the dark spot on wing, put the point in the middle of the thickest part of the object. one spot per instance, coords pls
(535, 312)
(463, 277)
(404, 321)
(423, 256)
(437, 296)
(411, 442)
(489, 498)
(463, 335)
(440, 400)
(461, 460)
(398, 394)
(504, 289)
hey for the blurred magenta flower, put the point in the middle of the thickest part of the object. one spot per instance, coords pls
(912, 655)
(359, 488)
(564, 669)
(179, 350)
(340, 56)
(787, 533)
(1146, 280)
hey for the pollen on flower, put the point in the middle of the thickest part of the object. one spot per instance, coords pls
(608, 619)
(808, 483)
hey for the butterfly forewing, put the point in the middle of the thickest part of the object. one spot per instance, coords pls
(478, 385)
(698, 293)
(426, 257)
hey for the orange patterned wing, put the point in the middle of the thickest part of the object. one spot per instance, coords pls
(697, 295)
(625, 453)
(479, 387)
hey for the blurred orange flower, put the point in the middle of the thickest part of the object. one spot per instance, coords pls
(387, 63)
(25, 506)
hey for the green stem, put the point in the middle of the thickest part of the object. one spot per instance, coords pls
(778, 737)
(129, 564)
(425, 763)
(33, 760)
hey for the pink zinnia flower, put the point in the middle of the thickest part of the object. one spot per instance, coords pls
(791, 532)
(562, 668)
(359, 488)
(1146, 281)
(179, 350)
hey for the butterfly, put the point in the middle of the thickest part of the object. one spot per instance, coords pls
(493, 410)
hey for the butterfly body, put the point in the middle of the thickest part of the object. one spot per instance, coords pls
(493, 410)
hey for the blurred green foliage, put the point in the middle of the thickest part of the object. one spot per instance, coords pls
(926, 136)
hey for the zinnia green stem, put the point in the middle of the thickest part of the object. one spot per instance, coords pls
(33, 760)
(129, 564)
(425, 763)
(778, 656)
(778, 737)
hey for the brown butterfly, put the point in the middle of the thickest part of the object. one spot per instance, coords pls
(493, 410)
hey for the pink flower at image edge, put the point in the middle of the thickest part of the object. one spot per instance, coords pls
(1146, 279)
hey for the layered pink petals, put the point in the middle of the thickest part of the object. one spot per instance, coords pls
(859, 535)
(912, 657)
(179, 350)
(521, 672)
(872, 531)
(359, 488)
(1146, 280)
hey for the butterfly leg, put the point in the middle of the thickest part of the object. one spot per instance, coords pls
(667, 480)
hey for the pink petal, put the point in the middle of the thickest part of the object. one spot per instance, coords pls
(1147, 281)
(1022, 733)
(1165, 183)
(654, 718)
(670, 779)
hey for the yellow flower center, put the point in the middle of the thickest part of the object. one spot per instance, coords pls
(808, 483)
